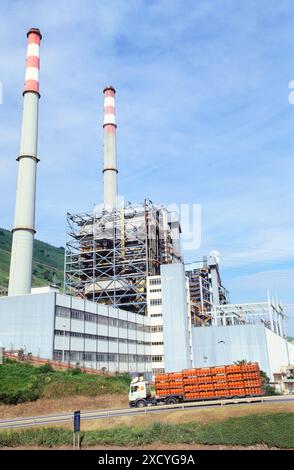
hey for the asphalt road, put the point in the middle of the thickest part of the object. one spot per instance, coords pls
(102, 414)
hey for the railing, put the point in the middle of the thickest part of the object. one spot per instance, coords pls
(55, 364)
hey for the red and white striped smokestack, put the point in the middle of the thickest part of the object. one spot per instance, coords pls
(20, 277)
(110, 169)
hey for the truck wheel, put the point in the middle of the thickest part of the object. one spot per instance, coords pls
(171, 401)
(141, 404)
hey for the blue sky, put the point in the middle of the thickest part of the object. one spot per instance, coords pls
(203, 117)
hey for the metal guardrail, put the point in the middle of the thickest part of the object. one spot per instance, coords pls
(104, 414)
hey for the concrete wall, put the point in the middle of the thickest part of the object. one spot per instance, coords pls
(175, 317)
(220, 345)
(27, 322)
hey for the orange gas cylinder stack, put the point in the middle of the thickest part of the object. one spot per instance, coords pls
(169, 384)
(236, 380)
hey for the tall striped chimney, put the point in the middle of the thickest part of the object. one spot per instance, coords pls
(20, 277)
(110, 169)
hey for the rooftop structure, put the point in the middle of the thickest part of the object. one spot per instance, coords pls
(206, 289)
(269, 313)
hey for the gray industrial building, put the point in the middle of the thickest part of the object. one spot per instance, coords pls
(64, 328)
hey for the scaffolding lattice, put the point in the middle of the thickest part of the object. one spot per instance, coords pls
(110, 254)
(201, 296)
(269, 313)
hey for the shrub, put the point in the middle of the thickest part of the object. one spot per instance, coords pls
(22, 381)
(45, 369)
(18, 396)
(74, 371)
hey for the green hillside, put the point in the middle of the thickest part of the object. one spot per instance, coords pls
(47, 261)
(21, 382)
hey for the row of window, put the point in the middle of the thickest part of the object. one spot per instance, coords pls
(158, 371)
(100, 319)
(156, 315)
(80, 356)
(157, 343)
(155, 282)
(156, 329)
(76, 334)
(154, 290)
(157, 358)
(155, 301)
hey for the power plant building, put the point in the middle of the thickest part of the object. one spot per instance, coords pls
(129, 303)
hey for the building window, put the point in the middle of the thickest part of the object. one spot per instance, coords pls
(102, 320)
(122, 324)
(132, 325)
(156, 315)
(155, 282)
(155, 302)
(90, 317)
(101, 357)
(157, 358)
(112, 357)
(156, 329)
(99, 319)
(77, 315)
(113, 321)
(113, 339)
(88, 356)
(158, 371)
(154, 290)
(157, 343)
(62, 312)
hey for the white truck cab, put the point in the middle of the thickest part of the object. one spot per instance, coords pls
(139, 392)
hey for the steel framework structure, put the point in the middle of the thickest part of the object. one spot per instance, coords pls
(109, 254)
(269, 313)
(202, 291)
(201, 296)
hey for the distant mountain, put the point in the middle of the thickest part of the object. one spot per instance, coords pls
(47, 261)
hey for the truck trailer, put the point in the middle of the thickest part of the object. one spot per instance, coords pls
(206, 383)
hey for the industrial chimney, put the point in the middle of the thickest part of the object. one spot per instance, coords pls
(20, 278)
(110, 170)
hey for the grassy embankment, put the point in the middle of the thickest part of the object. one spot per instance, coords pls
(22, 382)
(272, 430)
(47, 261)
